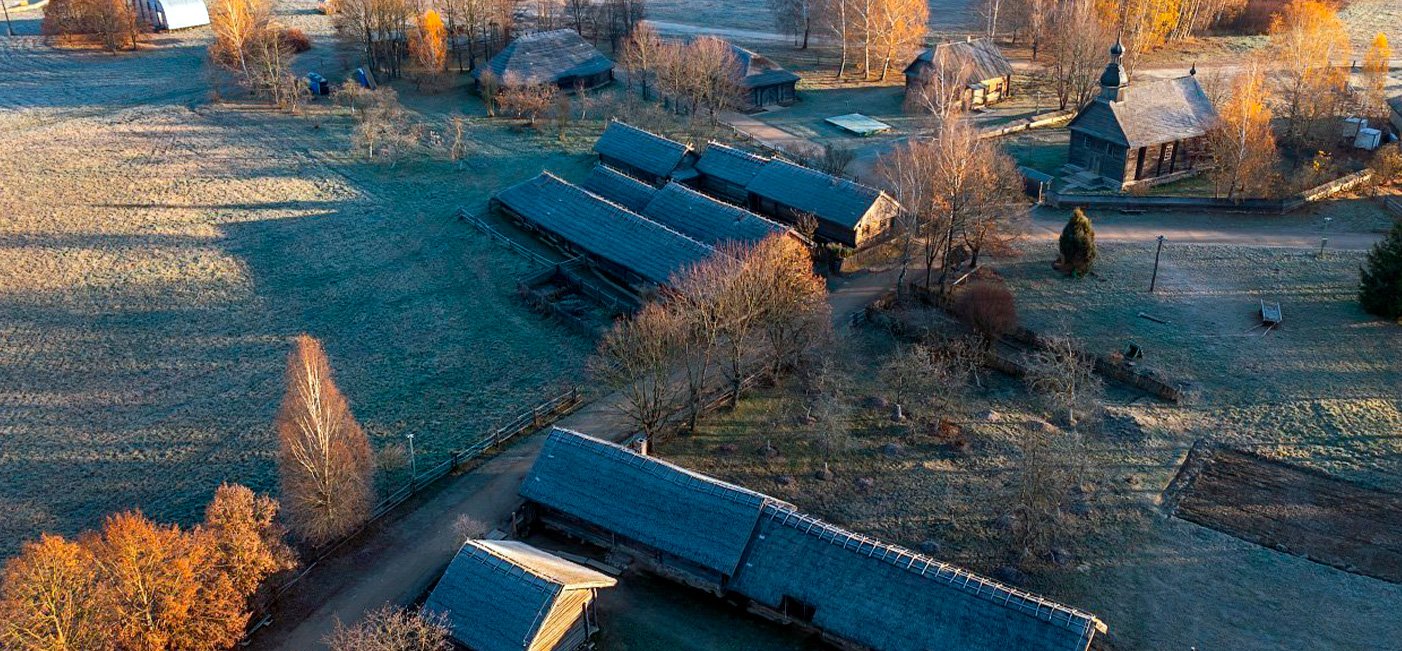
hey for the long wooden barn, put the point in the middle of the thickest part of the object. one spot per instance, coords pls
(504, 595)
(644, 155)
(849, 213)
(858, 592)
(635, 250)
(726, 171)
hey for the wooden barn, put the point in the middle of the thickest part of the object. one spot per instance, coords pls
(1133, 134)
(857, 592)
(847, 212)
(561, 57)
(707, 220)
(619, 188)
(645, 155)
(686, 526)
(765, 82)
(974, 72)
(629, 247)
(725, 171)
(504, 595)
(1394, 105)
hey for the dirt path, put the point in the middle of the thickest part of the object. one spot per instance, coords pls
(1301, 231)
(400, 557)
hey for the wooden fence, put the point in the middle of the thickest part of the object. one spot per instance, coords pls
(493, 233)
(1258, 206)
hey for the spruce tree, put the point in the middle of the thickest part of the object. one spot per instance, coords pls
(1380, 279)
(1077, 244)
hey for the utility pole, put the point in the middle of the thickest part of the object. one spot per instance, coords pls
(1155, 278)
(1324, 236)
(413, 465)
(9, 28)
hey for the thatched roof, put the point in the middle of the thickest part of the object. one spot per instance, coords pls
(729, 164)
(757, 71)
(602, 228)
(644, 150)
(705, 219)
(1149, 114)
(890, 598)
(496, 594)
(979, 59)
(697, 518)
(547, 57)
(827, 197)
(619, 188)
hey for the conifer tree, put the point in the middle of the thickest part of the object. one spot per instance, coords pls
(1077, 244)
(1380, 286)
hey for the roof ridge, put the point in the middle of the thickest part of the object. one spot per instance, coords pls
(987, 589)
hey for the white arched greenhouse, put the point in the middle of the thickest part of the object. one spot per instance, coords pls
(177, 14)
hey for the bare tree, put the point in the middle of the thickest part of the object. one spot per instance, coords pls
(1064, 376)
(1077, 53)
(639, 357)
(237, 25)
(525, 99)
(640, 56)
(795, 17)
(1049, 469)
(392, 629)
(380, 28)
(383, 129)
(113, 23)
(324, 458)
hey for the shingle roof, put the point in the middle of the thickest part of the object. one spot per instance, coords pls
(828, 197)
(619, 188)
(603, 228)
(1396, 104)
(547, 56)
(705, 219)
(729, 164)
(892, 599)
(1150, 114)
(495, 594)
(644, 150)
(756, 70)
(703, 520)
(980, 57)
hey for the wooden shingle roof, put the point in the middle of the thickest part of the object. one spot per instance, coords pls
(619, 188)
(644, 150)
(705, 219)
(890, 598)
(729, 164)
(1149, 114)
(757, 71)
(828, 197)
(980, 57)
(547, 57)
(602, 228)
(694, 517)
(496, 593)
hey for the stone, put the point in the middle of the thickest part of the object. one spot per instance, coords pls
(865, 483)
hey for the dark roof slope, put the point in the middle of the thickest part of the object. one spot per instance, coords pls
(828, 197)
(1396, 104)
(603, 228)
(619, 188)
(548, 56)
(703, 520)
(496, 594)
(705, 219)
(892, 599)
(757, 71)
(1150, 114)
(730, 164)
(980, 57)
(644, 150)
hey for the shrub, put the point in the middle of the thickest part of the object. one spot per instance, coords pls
(1380, 286)
(1077, 244)
(295, 39)
(988, 308)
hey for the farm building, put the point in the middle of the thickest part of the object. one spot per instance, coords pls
(619, 188)
(1395, 113)
(847, 212)
(765, 82)
(176, 14)
(1132, 134)
(645, 155)
(504, 595)
(725, 171)
(561, 57)
(805, 570)
(687, 526)
(860, 593)
(974, 71)
(705, 219)
(627, 246)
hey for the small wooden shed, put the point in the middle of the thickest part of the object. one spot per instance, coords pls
(766, 83)
(645, 155)
(973, 73)
(505, 595)
(561, 57)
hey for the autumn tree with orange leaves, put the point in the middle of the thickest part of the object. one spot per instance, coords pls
(1242, 143)
(324, 458)
(138, 585)
(1307, 42)
(428, 44)
(1375, 70)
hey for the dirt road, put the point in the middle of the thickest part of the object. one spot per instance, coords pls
(400, 557)
(1302, 230)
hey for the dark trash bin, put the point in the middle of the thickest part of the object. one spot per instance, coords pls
(318, 84)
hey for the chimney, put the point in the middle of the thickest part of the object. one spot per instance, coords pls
(968, 38)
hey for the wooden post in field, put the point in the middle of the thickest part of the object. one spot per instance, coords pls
(1155, 278)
